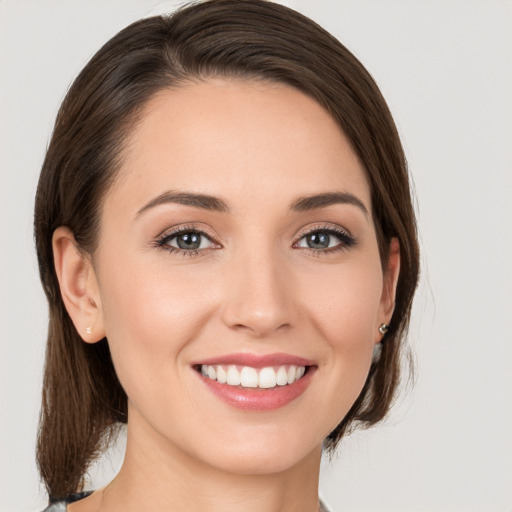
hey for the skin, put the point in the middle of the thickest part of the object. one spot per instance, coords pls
(256, 287)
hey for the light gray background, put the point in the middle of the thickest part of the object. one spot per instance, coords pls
(445, 68)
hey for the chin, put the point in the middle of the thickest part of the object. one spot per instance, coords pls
(260, 453)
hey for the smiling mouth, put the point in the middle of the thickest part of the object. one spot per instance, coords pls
(254, 378)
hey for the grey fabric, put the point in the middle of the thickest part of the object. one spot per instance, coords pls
(323, 508)
(62, 506)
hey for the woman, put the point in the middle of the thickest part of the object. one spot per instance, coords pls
(226, 239)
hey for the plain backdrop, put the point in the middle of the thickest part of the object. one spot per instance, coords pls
(445, 68)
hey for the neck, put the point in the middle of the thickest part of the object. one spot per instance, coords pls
(157, 475)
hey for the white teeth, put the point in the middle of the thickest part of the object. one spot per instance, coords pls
(248, 377)
(222, 376)
(292, 371)
(233, 376)
(281, 377)
(267, 378)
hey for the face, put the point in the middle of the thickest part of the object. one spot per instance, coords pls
(238, 275)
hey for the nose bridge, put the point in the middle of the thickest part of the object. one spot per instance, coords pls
(259, 296)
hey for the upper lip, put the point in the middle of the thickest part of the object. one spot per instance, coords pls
(255, 360)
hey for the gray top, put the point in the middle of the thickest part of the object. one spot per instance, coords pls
(62, 506)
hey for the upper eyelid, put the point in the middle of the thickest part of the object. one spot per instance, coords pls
(326, 227)
(169, 233)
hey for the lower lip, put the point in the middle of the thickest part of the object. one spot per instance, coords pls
(253, 399)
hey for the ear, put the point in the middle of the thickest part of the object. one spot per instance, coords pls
(387, 300)
(78, 286)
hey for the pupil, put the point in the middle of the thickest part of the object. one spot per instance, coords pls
(318, 240)
(189, 241)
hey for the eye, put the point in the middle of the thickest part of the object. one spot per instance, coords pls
(319, 240)
(186, 240)
(326, 240)
(189, 241)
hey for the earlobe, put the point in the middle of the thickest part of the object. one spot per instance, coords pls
(390, 282)
(78, 286)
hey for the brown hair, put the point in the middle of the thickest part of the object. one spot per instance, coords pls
(83, 400)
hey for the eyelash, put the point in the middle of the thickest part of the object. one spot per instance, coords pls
(163, 240)
(346, 240)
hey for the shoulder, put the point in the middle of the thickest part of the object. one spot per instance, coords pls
(61, 506)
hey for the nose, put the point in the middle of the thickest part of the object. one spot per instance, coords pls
(259, 295)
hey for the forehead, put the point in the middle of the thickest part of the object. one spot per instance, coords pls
(253, 141)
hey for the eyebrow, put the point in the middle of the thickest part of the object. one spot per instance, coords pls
(327, 199)
(213, 203)
(203, 201)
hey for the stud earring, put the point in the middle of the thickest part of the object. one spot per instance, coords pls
(88, 330)
(383, 329)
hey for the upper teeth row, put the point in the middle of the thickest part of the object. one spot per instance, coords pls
(249, 377)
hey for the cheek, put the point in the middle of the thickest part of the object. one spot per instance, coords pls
(345, 314)
(150, 318)
(346, 308)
